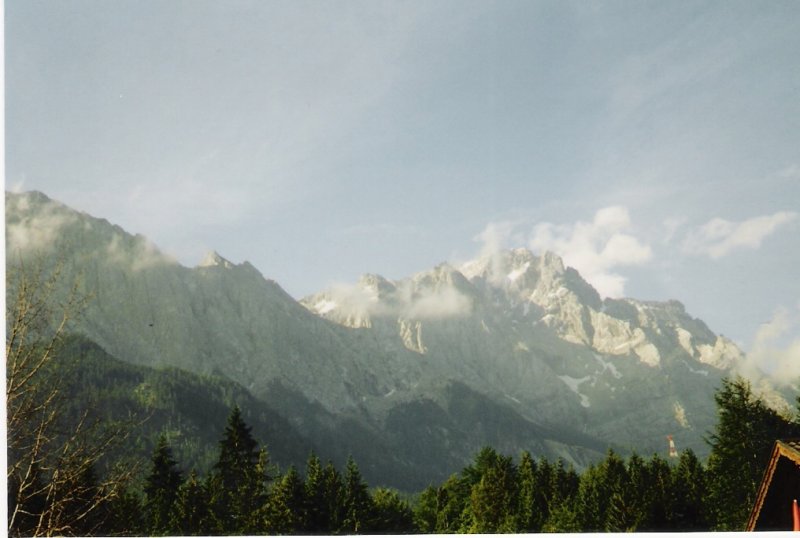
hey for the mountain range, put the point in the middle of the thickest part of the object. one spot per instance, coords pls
(411, 377)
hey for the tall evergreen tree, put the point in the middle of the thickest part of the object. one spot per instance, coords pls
(190, 515)
(528, 514)
(239, 481)
(740, 447)
(600, 504)
(333, 497)
(161, 489)
(287, 505)
(451, 500)
(657, 495)
(493, 500)
(426, 511)
(316, 520)
(392, 515)
(356, 501)
(689, 490)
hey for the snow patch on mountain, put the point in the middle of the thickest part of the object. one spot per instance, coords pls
(574, 384)
(608, 366)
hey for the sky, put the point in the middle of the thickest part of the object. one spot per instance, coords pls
(654, 145)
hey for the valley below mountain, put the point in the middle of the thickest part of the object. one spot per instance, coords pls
(410, 377)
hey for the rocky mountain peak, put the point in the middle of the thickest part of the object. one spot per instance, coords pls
(213, 259)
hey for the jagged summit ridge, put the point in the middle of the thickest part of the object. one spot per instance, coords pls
(213, 259)
(530, 289)
(517, 328)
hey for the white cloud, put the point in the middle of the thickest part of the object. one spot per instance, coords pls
(442, 303)
(776, 349)
(139, 253)
(35, 229)
(595, 248)
(496, 237)
(360, 301)
(719, 237)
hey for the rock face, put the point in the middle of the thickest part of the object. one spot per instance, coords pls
(526, 329)
(513, 350)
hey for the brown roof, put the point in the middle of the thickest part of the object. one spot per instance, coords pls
(787, 448)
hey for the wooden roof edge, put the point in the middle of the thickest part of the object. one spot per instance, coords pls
(764, 487)
(789, 448)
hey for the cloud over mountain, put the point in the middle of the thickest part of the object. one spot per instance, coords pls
(776, 349)
(596, 248)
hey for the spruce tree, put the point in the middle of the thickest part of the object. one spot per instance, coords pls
(333, 497)
(426, 511)
(356, 502)
(161, 489)
(392, 515)
(689, 490)
(451, 500)
(493, 500)
(239, 481)
(740, 447)
(286, 507)
(657, 496)
(190, 515)
(316, 511)
(528, 513)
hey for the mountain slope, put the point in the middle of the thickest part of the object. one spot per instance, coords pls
(528, 330)
(349, 390)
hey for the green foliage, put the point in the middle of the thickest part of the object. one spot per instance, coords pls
(426, 510)
(493, 500)
(689, 490)
(239, 481)
(242, 494)
(528, 512)
(357, 504)
(190, 513)
(391, 514)
(286, 509)
(161, 489)
(740, 449)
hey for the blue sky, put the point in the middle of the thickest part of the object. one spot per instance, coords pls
(655, 145)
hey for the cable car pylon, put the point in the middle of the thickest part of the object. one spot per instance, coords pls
(673, 452)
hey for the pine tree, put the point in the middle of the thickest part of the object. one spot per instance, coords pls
(451, 501)
(657, 496)
(528, 514)
(125, 516)
(600, 504)
(493, 500)
(316, 510)
(689, 490)
(190, 512)
(286, 506)
(545, 494)
(161, 489)
(357, 504)
(333, 497)
(740, 448)
(426, 511)
(323, 493)
(392, 515)
(239, 482)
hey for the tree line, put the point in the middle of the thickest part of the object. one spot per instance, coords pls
(245, 494)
